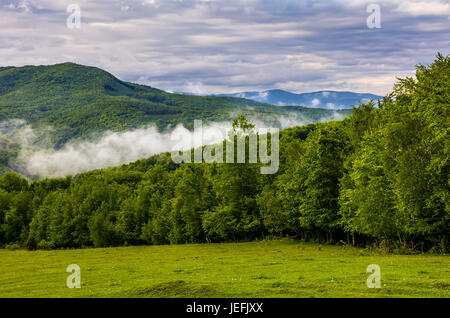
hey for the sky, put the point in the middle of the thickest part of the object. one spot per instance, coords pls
(226, 46)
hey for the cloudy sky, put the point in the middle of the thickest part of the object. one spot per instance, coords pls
(224, 46)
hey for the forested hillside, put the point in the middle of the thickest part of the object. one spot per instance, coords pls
(79, 102)
(378, 177)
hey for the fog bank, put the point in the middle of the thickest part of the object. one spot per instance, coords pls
(36, 156)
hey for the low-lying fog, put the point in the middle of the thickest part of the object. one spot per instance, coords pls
(37, 157)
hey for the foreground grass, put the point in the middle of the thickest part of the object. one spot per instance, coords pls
(260, 269)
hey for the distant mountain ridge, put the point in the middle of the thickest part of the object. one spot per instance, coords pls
(320, 99)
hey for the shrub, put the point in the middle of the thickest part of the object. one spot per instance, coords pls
(13, 246)
(45, 245)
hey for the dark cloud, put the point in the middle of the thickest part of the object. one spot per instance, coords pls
(231, 45)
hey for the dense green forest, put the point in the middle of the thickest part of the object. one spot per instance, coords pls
(77, 101)
(381, 176)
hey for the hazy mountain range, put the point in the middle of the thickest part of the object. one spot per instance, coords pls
(321, 99)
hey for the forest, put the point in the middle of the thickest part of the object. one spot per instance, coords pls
(377, 178)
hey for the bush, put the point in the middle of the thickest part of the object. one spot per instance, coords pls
(13, 246)
(45, 245)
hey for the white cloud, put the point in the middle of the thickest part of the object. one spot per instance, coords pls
(263, 95)
(112, 149)
(420, 8)
(315, 102)
(411, 7)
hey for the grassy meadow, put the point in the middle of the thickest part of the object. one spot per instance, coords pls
(260, 269)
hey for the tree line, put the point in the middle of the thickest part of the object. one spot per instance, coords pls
(378, 177)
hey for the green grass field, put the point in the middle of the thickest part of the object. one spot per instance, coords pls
(261, 269)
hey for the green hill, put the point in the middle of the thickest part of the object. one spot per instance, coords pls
(78, 101)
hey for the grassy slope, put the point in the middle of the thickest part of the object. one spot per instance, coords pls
(259, 269)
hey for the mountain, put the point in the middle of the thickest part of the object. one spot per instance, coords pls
(76, 102)
(321, 99)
